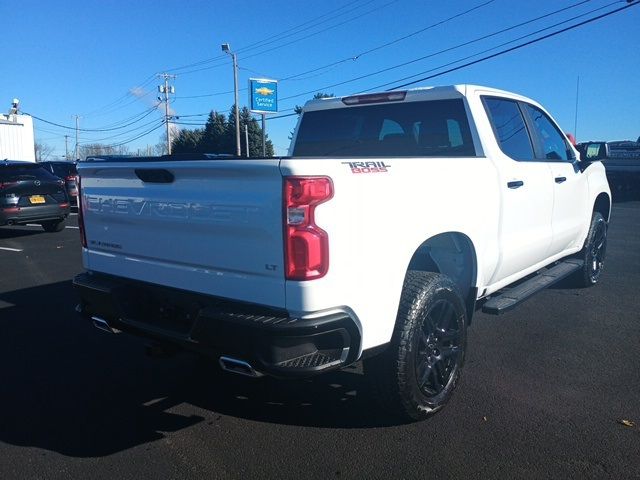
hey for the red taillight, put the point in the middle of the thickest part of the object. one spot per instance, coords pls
(7, 184)
(306, 244)
(70, 178)
(83, 235)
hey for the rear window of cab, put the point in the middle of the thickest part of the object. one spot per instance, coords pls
(12, 172)
(434, 128)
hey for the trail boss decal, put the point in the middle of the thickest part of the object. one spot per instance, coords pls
(367, 167)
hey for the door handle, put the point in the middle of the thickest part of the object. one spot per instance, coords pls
(154, 175)
(561, 179)
(515, 184)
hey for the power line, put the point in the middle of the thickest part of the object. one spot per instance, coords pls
(137, 116)
(146, 114)
(128, 132)
(477, 60)
(160, 125)
(331, 13)
(97, 111)
(478, 39)
(366, 52)
(599, 17)
(531, 42)
(488, 49)
(299, 39)
(422, 30)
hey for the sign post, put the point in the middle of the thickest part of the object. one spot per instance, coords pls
(263, 99)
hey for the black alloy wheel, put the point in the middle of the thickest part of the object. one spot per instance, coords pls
(439, 348)
(597, 251)
(417, 373)
(593, 253)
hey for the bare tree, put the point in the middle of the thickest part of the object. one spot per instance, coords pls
(42, 151)
(97, 149)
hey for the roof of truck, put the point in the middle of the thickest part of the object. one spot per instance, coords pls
(413, 94)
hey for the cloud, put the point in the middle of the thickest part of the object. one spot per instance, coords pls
(147, 97)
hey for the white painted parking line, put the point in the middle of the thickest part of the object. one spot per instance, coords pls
(69, 226)
(11, 249)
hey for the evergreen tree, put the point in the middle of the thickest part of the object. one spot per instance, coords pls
(317, 96)
(215, 138)
(255, 134)
(187, 141)
(219, 136)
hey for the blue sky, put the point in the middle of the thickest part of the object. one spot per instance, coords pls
(98, 59)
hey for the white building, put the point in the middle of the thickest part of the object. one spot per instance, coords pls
(16, 137)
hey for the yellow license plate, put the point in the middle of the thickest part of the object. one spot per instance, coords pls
(36, 199)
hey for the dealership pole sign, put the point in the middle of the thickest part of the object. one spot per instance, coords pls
(263, 95)
(263, 99)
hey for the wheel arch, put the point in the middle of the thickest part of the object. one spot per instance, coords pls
(602, 204)
(452, 254)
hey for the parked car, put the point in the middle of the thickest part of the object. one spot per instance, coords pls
(67, 171)
(30, 194)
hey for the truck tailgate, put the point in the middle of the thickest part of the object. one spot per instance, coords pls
(212, 226)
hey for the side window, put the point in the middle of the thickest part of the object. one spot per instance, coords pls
(509, 127)
(551, 142)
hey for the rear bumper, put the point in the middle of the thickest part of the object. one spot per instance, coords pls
(270, 340)
(33, 214)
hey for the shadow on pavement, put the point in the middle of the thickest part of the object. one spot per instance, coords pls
(70, 388)
(17, 232)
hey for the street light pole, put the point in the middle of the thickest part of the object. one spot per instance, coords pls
(227, 49)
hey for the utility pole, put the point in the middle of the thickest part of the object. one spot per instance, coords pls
(75, 154)
(166, 89)
(66, 147)
(575, 122)
(264, 136)
(227, 49)
(246, 138)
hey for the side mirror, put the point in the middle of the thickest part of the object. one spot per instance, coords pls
(596, 151)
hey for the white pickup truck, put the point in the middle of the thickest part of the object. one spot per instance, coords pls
(394, 217)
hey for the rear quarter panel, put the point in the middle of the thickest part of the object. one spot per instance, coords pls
(376, 221)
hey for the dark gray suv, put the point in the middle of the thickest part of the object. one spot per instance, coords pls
(30, 194)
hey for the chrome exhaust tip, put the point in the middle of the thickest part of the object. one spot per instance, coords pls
(240, 367)
(102, 324)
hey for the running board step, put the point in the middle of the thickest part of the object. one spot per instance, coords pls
(516, 295)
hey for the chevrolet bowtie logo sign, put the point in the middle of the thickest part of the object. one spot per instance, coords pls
(263, 95)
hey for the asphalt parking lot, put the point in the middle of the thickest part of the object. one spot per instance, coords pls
(544, 392)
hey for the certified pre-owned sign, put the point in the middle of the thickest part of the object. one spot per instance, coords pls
(263, 95)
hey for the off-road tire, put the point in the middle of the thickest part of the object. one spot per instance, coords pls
(431, 319)
(593, 253)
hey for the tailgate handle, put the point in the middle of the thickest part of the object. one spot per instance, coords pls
(155, 175)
